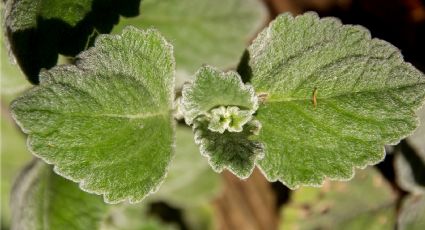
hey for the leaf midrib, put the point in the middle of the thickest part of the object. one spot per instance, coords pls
(112, 115)
(287, 99)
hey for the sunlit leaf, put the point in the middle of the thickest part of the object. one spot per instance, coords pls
(106, 122)
(211, 89)
(221, 107)
(332, 97)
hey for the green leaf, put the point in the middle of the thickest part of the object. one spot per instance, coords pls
(38, 30)
(220, 108)
(202, 31)
(212, 88)
(412, 214)
(106, 122)
(332, 97)
(366, 202)
(190, 186)
(43, 200)
(235, 151)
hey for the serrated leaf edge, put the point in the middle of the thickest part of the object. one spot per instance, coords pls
(323, 177)
(189, 116)
(201, 143)
(82, 183)
(266, 33)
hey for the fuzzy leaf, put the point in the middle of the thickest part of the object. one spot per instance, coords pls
(106, 122)
(220, 107)
(332, 97)
(235, 151)
(202, 31)
(212, 88)
(43, 200)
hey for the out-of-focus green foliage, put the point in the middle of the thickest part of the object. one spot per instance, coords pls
(410, 160)
(202, 31)
(39, 30)
(366, 202)
(41, 200)
(14, 154)
(190, 182)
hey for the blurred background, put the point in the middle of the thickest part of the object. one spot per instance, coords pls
(389, 195)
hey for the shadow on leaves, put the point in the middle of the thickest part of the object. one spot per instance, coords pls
(38, 48)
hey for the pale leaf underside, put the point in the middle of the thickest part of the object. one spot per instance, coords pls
(220, 107)
(235, 151)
